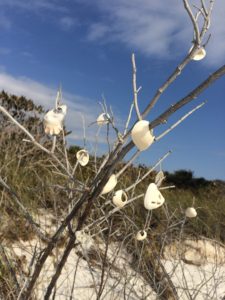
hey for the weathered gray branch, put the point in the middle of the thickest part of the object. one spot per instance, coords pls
(191, 96)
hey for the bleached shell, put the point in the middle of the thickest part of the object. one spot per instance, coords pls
(153, 198)
(159, 178)
(200, 53)
(52, 129)
(83, 157)
(119, 198)
(63, 109)
(141, 235)
(190, 212)
(53, 120)
(111, 183)
(103, 119)
(141, 135)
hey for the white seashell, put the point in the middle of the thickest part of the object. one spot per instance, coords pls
(53, 120)
(141, 135)
(82, 157)
(103, 119)
(153, 198)
(200, 53)
(190, 212)
(119, 198)
(159, 178)
(112, 182)
(141, 235)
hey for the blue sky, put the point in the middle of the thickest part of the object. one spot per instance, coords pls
(86, 46)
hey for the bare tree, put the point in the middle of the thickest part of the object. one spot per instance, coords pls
(83, 196)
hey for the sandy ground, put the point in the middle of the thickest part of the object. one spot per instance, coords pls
(202, 278)
(119, 281)
(206, 282)
(197, 282)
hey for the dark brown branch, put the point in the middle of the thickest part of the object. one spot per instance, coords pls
(89, 197)
(60, 265)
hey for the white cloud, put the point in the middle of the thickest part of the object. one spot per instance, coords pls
(155, 28)
(160, 29)
(53, 5)
(141, 25)
(44, 95)
(67, 22)
(97, 31)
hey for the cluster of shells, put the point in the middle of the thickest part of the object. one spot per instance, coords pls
(142, 137)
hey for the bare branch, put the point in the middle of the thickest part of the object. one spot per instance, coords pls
(193, 20)
(149, 171)
(32, 139)
(167, 83)
(129, 117)
(192, 95)
(135, 87)
(179, 121)
(136, 154)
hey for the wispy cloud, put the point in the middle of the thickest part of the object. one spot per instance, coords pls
(67, 23)
(33, 5)
(155, 28)
(44, 95)
(97, 31)
(5, 51)
(151, 28)
(5, 22)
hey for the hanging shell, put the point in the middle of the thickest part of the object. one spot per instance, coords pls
(141, 235)
(159, 178)
(141, 135)
(103, 119)
(190, 212)
(53, 120)
(153, 198)
(120, 198)
(112, 182)
(82, 157)
(200, 53)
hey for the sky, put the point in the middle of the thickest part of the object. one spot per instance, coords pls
(86, 46)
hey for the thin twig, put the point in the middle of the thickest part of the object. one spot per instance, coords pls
(192, 95)
(32, 139)
(135, 87)
(179, 121)
(134, 156)
(149, 171)
(128, 119)
(193, 20)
